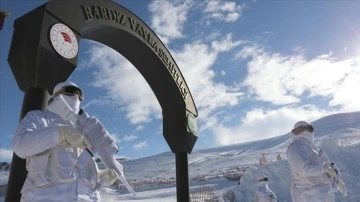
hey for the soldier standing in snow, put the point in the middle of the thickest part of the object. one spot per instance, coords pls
(263, 192)
(56, 143)
(311, 172)
(278, 157)
(263, 160)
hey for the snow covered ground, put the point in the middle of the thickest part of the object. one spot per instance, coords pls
(154, 177)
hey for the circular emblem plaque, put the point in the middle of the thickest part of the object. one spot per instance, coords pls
(64, 40)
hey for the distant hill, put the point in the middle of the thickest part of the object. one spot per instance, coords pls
(4, 166)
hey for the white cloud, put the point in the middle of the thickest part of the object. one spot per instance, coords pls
(126, 89)
(289, 81)
(283, 80)
(225, 44)
(140, 145)
(124, 86)
(347, 94)
(196, 60)
(168, 18)
(100, 102)
(131, 137)
(226, 11)
(5, 155)
(248, 51)
(264, 123)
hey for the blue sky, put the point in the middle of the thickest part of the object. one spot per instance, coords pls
(254, 68)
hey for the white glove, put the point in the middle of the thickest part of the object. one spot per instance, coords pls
(71, 137)
(340, 186)
(107, 176)
(330, 172)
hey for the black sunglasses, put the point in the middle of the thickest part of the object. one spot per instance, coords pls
(301, 129)
(310, 128)
(71, 91)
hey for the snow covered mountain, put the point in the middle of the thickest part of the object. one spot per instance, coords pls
(338, 135)
(153, 178)
(4, 166)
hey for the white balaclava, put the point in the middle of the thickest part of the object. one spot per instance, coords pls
(306, 134)
(72, 101)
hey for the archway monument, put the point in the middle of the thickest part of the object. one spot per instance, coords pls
(44, 51)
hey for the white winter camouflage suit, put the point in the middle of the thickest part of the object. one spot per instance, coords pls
(264, 194)
(309, 181)
(53, 172)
